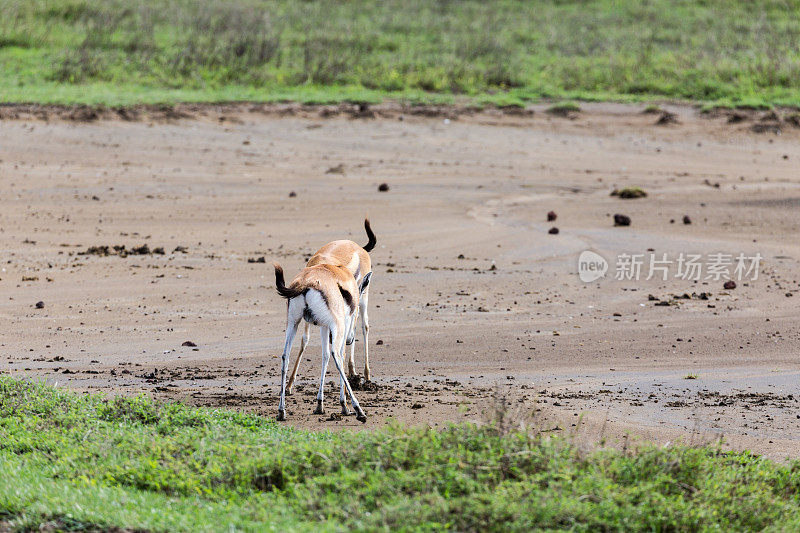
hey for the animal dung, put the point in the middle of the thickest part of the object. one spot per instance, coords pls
(622, 220)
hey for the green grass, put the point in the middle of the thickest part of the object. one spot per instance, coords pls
(83, 462)
(508, 52)
(629, 193)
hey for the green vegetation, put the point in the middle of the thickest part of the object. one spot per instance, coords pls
(629, 193)
(506, 52)
(82, 462)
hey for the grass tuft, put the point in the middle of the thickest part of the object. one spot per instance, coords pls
(629, 193)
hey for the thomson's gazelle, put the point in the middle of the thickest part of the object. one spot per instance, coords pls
(325, 295)
(356, 259)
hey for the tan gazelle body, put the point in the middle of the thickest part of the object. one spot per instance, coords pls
(356, 259)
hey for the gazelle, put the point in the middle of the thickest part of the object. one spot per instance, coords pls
(324, 295)
(356, 259)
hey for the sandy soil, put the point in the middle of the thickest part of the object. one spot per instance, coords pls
(471, 296)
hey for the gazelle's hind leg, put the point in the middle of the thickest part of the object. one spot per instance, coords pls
(350, 323)
(337, 360)
(291, 330)
(303, 344)
(351, 365)
(351, 331)
(326, 351)
(363, 303)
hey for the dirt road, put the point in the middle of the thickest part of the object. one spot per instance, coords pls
(471, 293)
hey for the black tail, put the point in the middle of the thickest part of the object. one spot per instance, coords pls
(283, 290)
(372, 241)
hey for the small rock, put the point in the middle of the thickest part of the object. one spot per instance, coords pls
(687, 220)
(551, 216)
(553, 231)
(189, 344)
(383, 187)
(39, 305)
(729, 285)
(292, 194)
(379, 343)
(622, 220)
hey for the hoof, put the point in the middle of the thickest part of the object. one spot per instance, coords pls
(288, 392)
(362, 418)
(281, 416)
(319, 410)
(345, 410)
(355, 381)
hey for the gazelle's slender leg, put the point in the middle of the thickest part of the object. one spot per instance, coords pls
(303, 344)
(291, 330)
(341, 349)
(351, 336)
(326, 350)
(363, 303)
(337, 360)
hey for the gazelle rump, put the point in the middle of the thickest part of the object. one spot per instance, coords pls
(356, 259)
(325, 295)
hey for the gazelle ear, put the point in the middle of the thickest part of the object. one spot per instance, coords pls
(365, 282)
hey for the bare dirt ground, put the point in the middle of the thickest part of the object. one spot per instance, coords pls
(470, 295)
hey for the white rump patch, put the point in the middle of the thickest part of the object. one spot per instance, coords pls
(319, 309)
